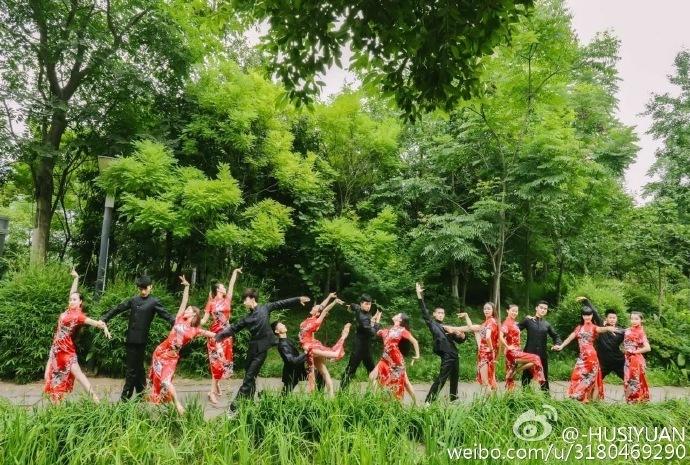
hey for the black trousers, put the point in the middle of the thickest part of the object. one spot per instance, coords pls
(362, 354)
(450, 369)
(527, 375)
(617, 367)
(291, 382)
(255, 360)
(135, 377)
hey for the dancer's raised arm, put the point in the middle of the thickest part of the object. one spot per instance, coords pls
(231, 284)
(185, 296)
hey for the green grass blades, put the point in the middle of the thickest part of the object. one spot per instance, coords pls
(362, 429)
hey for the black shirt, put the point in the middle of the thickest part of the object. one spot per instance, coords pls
(444, 343)
(537, 330)
(365, 331)
(293, 361)
(142, 310)
(257, 322)
(607, 344)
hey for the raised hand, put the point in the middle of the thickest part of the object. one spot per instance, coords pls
(74, 273)
(303, 300)
(183, 281)
(462, 315)
(237, 271)
(420, 289)
(339, 302)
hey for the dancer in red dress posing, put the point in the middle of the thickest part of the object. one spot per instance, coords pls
(390, 370)
(518, 360)
(317, 353)
(220, 357)
(62, 367)
(586, 382)
(167, 353)
(486, 336)
(635, 344)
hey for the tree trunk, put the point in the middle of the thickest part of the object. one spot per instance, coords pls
(42, 168)
(559, 281)
(465, 281)
(454, 279)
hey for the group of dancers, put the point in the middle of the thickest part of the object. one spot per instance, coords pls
(599, 346)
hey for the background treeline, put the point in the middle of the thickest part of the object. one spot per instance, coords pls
(514, 195)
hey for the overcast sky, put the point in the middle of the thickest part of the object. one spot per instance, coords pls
(651, 35)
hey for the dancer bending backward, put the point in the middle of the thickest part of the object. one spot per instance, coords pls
(517, 360)
(167, 354)
(365, 332)
(390, 371)
(220, 357)
(262, 338)
(62, 367)
(586, 382)
(317, 353)
(444, 347)
(486, 336)
(635, 344)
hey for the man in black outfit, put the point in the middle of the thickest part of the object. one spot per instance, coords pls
(444, 347)
(262, 338)
(607, 344)
(365, 332)
(142, 308)
(537, 330)
(294, 362)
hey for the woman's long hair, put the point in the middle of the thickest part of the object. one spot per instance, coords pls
(404, 345)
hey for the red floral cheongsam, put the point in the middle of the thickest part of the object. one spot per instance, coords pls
(488, 351)
(511, 333)
(391, 367)
(59, 380)
(309, 343)
(165, 359)
(586, 376)
(220, 356)
(635, 378)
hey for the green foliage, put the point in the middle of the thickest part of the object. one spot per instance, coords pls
(302, 430)
(423, 53)
(30, 302)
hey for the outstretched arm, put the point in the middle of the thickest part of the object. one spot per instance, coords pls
(100, 325)
(328, 308)
(286, 303)
(568, 340)
(126, 305)
(231, 284)
(207, 309)
(185, 297)
(75, 282)
(328, 299)
(422, 305)
(415, 344)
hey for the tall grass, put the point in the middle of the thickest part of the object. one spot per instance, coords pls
(350, 429)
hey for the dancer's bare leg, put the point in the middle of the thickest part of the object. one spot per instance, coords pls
(327, 380)
(84, 381)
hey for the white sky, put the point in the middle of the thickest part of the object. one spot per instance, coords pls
(651, 36)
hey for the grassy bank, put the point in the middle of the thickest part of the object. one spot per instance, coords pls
(366, 429)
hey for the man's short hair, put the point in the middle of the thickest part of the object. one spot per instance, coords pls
(365, 298)
(543, 302)
(250, 292)
(143, 282)
(611, 311)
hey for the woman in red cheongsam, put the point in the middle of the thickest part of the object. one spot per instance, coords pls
(220, 357)
(390, 371)
(317, 353)
(635, 344)
(62, 367)
(167, 353)
(516, 359)
(486, 335)
(586, 382)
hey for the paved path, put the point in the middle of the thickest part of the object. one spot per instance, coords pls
(31, 394)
